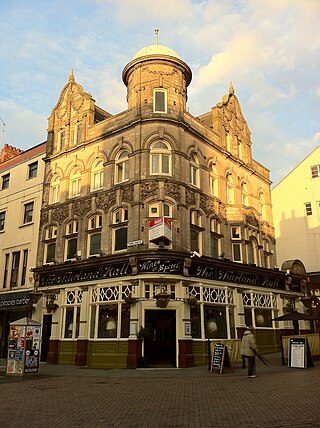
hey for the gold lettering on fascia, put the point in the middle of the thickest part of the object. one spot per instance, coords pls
(160, 266)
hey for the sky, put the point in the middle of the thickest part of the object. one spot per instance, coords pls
(268, 49)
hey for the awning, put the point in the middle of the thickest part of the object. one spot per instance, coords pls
(296, 316)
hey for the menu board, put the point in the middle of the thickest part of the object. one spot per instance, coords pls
(299, 353)
(220, 358)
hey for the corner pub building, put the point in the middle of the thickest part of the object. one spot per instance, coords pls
(155, 224)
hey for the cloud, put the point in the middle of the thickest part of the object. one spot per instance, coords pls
(24, 128)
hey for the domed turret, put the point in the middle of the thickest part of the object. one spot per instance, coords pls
(157, 80)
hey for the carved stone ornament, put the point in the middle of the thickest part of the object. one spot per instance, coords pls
(223, 211)
(105, 201)
(207, 205)
(128, 194)
(190, 198)
(82, 207)
(173, 191)
(148, 189)
(252, 220)
(60, 213)
(44, 218)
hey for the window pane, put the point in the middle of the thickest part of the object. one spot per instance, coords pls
(236, 252)
(215, 322)
(125, 320)
(28, 212)
(263, 317)
(159, 101)
(95, 243)
(166, 210)
(108, 320)
(195, 321)
(165, 164)
(72, 248)
(121, 239)
(69, 323)
(15, 269)
(33, 169)
(194, 240)
(2, 220)
(214, 246)
(5, 181)
(51, 249)
(155, 164)
(24, 267)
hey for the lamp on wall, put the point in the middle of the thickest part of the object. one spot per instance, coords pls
(162, 298)
(34, 296)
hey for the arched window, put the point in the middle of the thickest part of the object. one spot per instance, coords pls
(244, 194)
(230, 189)
(75, 183)
(160, 209)
(213, 181)
(194, 170)
(55, 189)
(122, 167)
(97, 176)
(160, 158)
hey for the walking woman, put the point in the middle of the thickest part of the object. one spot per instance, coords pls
(249, 350)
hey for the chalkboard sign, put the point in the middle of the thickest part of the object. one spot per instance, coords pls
(299, 353)
(220, 358)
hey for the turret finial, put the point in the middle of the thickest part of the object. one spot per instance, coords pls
(157, 35)
(71, 76)
(231, 89)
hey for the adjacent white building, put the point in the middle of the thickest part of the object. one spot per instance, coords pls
(296, 213)
(21, 184)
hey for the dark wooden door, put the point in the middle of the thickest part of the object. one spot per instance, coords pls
(160, 342)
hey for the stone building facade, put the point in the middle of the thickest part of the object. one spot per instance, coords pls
(108, 179)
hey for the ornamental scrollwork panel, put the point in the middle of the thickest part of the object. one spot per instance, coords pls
(82, 207)
(173, 191)
(60, 213)
(148, 189)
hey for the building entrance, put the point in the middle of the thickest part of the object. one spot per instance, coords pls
(160, 342)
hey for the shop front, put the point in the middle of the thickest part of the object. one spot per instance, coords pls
(157, 310)
(13, 306)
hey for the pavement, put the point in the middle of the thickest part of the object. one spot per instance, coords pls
(68, 396)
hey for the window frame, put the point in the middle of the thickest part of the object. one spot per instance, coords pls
(5, 181)
(163, 91)
(194, 170)
(162, 155)
(32, 170)
(2, 220)
(122, 167)
(26, 212)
